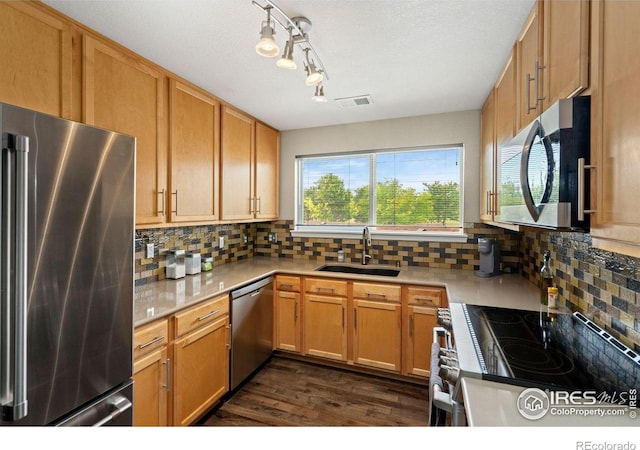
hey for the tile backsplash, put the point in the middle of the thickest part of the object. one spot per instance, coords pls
(604, 285)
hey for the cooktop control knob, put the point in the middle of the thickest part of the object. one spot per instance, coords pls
(451, 353)
(449, 373)
(448, 361)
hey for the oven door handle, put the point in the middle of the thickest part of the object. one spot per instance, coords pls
(440, 332)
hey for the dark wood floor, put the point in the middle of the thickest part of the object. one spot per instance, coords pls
(294, 393)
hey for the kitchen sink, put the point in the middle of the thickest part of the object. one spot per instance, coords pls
(360, 270)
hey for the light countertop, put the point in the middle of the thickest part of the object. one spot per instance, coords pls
(162, 298)
(491, 404)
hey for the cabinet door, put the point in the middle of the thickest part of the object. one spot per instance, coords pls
(287, 323)
(324, 327)
(505, 103)
(267, 187)
(123, 94)
(151, 389)
(566, 49)
(194, 154)
(421, 321)
(201, 371)
(487, 159)
(36, 68)
(615, 132)
(237, 168)
(377, 334)
(529, 68)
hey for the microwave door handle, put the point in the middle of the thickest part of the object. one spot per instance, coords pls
(13, 302)
(581, 188)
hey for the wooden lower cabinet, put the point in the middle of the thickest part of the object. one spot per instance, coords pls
(287, 321)
(420, 308)
(377, 334)
(200, 371)
(421, 321)
(181, 371)
(324, 327)
(151, 388)
(151, 376)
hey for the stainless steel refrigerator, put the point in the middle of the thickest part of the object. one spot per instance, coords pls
(66, 270)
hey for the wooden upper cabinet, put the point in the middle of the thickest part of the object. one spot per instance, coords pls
(487, 158)
(505, 102)
(529, 68)
(237, 168)
(36, 54)
(267, 174)
(194, 154)
(566, 49)
(124, 94)
(250, 161)
(615, 134)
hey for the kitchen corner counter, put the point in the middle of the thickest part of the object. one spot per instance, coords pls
(491, 404)
(162, 298)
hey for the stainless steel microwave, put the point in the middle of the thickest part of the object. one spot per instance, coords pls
(542, 182)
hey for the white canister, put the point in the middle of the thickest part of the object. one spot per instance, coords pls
(192, 263)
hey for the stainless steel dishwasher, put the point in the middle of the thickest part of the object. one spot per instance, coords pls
(251, 329)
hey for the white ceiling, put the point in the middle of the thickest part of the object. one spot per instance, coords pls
(413, 57)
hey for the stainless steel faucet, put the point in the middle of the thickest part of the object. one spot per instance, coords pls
(366, 243)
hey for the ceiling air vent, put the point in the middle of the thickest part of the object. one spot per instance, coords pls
(360, 100)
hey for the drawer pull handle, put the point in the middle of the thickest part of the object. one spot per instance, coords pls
(376, 294)
(286, 285)
(206, 316)
(429, 299)
(151, 342)
(322, 288)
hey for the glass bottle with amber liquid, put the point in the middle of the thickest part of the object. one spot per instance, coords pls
(546, 278)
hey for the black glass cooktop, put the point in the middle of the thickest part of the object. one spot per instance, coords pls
(558, 352)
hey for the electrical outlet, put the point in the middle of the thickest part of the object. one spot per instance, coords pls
(221, 242)
(272, 237)
(245, 239)
(149, 252)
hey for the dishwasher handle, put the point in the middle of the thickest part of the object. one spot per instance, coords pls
(251, 288)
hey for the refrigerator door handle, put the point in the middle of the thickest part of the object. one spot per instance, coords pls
(13, 303)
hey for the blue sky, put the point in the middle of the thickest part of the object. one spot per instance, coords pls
(410, 167)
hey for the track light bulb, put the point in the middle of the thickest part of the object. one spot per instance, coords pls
(267, 46)
(314, 77)
(319, 97)
(287, 62)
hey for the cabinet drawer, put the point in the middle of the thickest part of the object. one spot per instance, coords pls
(200, 315)
(150, 337)
(287, 283)
(427, 296)
(326, 286)
(374, 291)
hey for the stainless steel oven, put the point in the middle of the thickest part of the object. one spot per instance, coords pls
(532, 349)
(446, 406)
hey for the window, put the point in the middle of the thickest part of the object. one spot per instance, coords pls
(402, 190)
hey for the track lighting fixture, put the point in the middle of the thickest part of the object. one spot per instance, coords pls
(314, 76)
(287, 62)
(319, 97)
(297, 29)
(267, 46)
